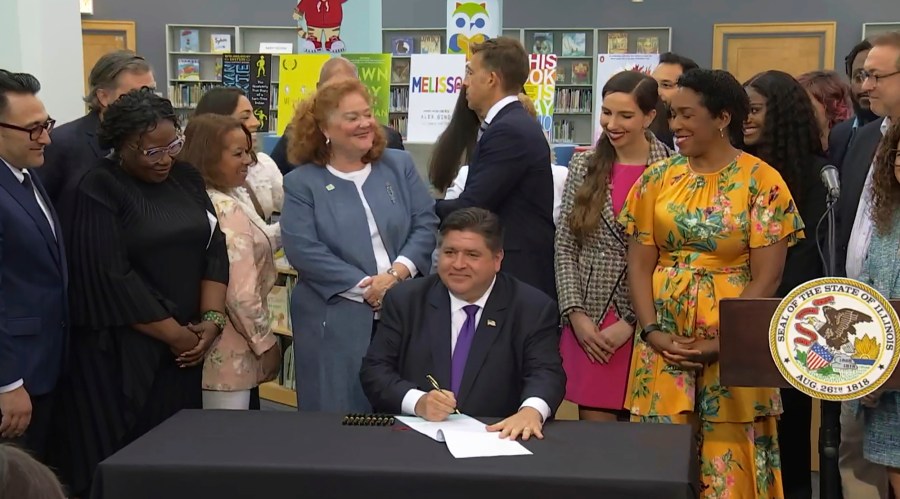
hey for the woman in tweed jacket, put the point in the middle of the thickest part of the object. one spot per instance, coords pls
(591, 247)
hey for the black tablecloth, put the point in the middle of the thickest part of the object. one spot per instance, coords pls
(251, 454)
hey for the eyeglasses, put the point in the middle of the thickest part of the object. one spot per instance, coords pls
(156, 154)
(865, 75)
(34, 132)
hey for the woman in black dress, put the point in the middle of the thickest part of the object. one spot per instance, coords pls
(148, 269)
(781, 130)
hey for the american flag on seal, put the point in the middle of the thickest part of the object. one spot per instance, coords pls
(818, 357)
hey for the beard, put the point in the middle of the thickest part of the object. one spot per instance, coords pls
(863, 114)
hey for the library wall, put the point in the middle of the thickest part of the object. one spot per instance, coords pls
(691, 22)
(152, 17)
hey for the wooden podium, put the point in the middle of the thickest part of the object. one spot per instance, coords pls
(745, 360)
(744, 344)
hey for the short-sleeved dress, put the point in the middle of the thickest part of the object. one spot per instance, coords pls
(704, 226)
(138, 255)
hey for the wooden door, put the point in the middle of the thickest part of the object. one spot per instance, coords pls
(102, 37)
(795, 48)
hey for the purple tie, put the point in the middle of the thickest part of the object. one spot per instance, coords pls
(463, 344)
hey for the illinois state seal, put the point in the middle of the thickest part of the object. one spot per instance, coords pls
(835, 339)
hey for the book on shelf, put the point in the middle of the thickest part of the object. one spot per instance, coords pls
(187, 95)
(400, 71)
(220, 43)
(543, 43)
(563, 131)
(402, 45)
(279, 308)
(573, 44)
(398, 123)
(189, 40)
(430, 44)
(189, 69)
(581, 73)
(617, 43)
(399, 100)
(573, 100)
(648, 45)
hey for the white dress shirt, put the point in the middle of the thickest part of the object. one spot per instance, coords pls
(20, 176)
(382, 260)
(500, 104)
(559, 184)
(457, 319)
(861, 234)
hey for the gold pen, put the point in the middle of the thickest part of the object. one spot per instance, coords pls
(436, 386)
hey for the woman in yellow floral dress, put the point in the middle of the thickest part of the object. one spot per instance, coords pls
(709, 223)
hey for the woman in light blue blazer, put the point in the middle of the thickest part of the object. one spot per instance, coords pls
(357, 220)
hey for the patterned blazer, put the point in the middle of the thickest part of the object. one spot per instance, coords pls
(591, 276)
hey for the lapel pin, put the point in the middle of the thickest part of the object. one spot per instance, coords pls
(329, 187)
(491, 323)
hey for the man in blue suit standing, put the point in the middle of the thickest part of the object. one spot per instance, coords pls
(33, 304)
(509, 172)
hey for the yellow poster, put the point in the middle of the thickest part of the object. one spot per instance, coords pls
(297, 80)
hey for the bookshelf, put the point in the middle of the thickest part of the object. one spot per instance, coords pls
(282, 389)
(199, 56)
(576, 52)
(401, 44)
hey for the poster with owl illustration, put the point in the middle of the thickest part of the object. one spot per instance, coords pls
(469, 23)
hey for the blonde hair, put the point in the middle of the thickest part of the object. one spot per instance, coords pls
(307, 143)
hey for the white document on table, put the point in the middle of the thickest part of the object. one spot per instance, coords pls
(465, 436)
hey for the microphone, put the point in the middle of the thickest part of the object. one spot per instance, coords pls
(829, 176)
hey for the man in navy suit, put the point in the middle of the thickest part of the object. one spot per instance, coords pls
(489, 339)
(75, 148)
(33, 306)
(509, 172)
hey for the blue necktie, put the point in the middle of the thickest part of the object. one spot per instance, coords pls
(481, 129)
(463, 344)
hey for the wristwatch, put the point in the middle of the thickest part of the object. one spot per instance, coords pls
(395, 274)
(649, 328)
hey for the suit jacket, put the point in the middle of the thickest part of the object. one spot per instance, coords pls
(839, 141)
(327, 239)
(279, 153)
(854, 170)
(33, 281)
(512, 358)
(74, 151)
(510, 175)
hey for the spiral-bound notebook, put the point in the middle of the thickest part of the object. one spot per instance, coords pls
(363, 419)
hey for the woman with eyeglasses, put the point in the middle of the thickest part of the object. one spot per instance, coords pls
(148, 274)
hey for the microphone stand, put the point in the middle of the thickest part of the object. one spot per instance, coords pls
(830, 426)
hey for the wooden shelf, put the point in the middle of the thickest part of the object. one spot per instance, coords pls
(282, 331)
(276, 393)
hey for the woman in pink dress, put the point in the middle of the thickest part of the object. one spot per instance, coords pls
(591, 247)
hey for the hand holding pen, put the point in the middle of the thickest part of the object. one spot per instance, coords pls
(437, 404)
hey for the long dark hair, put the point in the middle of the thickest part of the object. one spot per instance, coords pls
(590, 199)
(790, 138)
(885, 186)
(455, 144)
(219, 100)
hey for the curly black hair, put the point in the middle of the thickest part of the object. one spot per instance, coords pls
(720, 92)
(134, 113)
(790, 138)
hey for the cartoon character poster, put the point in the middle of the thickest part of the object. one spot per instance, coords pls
(319, 25)
(469, 23)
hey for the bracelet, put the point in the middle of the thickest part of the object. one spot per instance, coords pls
(649, 328)
(216, 317)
